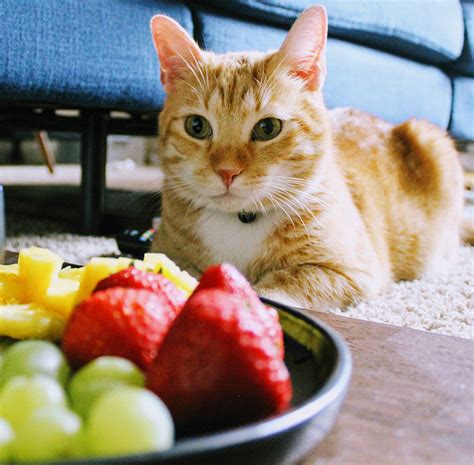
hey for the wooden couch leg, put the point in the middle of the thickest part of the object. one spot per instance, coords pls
(93, 163)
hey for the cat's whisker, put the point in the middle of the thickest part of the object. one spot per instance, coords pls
(259, 205)
(291, 185)
(290, 206)
(312, 196)
(172, 196)
(285, 187)
(192, 204)
(276, 206)
(199, 68)
(258, 82)
(193, 89)
(206, 69)
(311, 213)
(142, 199)
(298, 194)
(254, 202)
(179, 187)
(272, 74)
(190, 67)
(292, 193)
(268, 86)
(293, 180)
(176, 184)
(282, 208)
(292, 200)
(263, 208)
(302, 206)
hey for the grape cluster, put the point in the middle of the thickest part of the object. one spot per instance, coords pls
(101, 410)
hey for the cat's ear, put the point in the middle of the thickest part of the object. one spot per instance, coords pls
(175, 48)
(304, 48)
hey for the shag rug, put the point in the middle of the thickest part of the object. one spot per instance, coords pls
(442, 304)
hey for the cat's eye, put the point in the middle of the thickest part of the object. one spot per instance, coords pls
(266, 129)
(198, 127)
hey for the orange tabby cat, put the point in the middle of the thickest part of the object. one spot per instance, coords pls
(317, 208)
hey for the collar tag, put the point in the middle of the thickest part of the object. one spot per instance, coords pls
(247, 217)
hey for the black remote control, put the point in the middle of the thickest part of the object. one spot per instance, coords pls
(135, 242)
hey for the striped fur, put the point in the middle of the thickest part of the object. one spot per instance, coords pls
(346, 202)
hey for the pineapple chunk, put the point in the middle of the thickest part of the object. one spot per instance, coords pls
(97, 269)
(61, 296)
(125, 262)
(21, 321)
(11, 289)
(160, 263)
(9, 269)
(38, 268)
(72, 273)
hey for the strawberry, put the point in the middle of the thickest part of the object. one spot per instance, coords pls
(138, 279)
(217, 367)
(226, 277)
(129, 323)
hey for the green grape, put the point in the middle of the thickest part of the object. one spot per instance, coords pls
(6, 438)
(27, 358)
(22, 395)
(100, 376)
(78, 447)
(129, 420)
(49, 433)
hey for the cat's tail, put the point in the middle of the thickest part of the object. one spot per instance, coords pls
(467, 229)
(433, 169)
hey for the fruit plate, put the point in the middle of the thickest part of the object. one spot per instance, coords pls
(320, 365)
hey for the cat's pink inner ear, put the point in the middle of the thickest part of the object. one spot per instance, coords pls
(175, 48)
(305, 45)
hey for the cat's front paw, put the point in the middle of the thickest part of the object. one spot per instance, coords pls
(279, 296)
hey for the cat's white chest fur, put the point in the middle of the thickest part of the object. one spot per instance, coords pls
(229, 240)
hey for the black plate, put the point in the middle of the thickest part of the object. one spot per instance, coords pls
(320, 365)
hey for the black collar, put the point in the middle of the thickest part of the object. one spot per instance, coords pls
(247, 217)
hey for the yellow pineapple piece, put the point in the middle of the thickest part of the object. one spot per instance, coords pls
(72, 273)
(9, 269)
(24, 321)
(61, 296)
(38, 268)
(97, 269)
(11, 289)
(160, 263)
(125, 262)
(141, 265)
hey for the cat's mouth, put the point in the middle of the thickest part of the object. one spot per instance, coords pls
(231, 202)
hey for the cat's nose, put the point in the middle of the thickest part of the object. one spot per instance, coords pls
(228, 175)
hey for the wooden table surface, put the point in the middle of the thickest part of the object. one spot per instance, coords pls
(411, 399)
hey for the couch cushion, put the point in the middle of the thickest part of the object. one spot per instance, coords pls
(389, 86)
(465, 63)
(424, 29)
(83, 53)
(462, 120)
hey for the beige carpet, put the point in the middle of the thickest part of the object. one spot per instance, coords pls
(443, 304)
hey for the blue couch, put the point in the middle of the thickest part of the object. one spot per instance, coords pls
(396, 59)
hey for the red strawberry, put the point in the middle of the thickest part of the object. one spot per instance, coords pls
(217, 367)
(130, 323)
(138, 279)
(227, 278)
